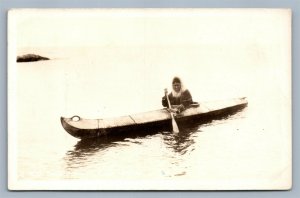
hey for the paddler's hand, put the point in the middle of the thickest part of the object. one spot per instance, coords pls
(166, 91)
(172, 110)
(179, 108)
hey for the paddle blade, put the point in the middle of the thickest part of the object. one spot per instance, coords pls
(175, 127)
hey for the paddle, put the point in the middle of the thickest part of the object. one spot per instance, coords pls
(174, 124)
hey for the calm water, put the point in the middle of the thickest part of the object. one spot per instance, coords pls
(97, 83)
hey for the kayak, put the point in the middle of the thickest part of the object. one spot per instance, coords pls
(153, 120)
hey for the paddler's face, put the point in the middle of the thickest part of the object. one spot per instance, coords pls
(177, 87)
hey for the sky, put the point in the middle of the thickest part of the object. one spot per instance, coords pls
(45, 28)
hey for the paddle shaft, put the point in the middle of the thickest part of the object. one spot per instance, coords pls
(174, 124)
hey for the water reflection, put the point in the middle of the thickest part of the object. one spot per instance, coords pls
(86, 148)
(178, 145)
(182, 141)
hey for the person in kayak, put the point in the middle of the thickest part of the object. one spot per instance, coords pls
(180, 97)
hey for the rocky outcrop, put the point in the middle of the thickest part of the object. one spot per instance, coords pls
(31, 58)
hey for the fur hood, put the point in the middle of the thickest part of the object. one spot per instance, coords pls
(175, 94)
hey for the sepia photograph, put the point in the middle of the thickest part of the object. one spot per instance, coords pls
(149, 99)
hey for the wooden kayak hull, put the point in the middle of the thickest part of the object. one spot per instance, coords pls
(151, 121)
